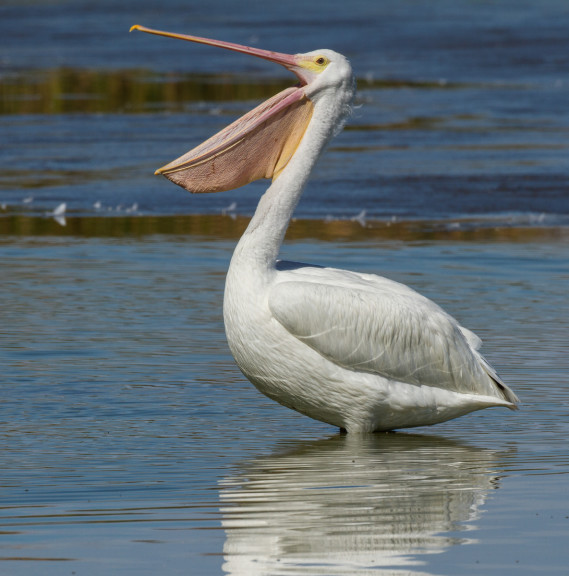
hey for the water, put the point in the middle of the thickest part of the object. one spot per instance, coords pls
(131, 444)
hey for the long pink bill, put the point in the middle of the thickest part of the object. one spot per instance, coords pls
(257, 145)
(287, 60)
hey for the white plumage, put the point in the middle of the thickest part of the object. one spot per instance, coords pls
(355, 350)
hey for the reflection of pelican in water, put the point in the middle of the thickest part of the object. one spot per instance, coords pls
(353, 505)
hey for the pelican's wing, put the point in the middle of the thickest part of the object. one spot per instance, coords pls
(367, 323)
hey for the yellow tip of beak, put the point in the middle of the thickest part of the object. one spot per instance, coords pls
(135, 27)
(158, 172)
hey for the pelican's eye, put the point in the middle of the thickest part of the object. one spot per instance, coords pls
(316, 63)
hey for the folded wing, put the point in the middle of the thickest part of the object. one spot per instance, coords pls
(370, 324)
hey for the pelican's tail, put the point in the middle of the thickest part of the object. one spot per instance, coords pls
(501, 388)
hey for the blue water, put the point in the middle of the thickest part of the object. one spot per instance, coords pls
(130, 442)
(461, 111)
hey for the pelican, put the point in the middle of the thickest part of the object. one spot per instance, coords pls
(357, 351)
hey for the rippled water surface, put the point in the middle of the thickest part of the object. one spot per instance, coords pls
(130, 442)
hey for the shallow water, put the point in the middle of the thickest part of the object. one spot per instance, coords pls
(130, 442)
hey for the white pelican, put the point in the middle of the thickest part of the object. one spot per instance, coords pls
(354, 350)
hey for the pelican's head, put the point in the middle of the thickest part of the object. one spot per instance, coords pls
(323, 69)
(260, 144)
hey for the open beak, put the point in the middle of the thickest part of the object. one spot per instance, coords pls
(257, 145)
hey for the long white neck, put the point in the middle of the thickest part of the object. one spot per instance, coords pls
(261, 242)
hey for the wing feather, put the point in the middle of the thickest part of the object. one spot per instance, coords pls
(367, 323)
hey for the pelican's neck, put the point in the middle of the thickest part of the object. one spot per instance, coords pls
(261, 242)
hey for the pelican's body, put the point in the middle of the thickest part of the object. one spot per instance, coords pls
(355, 350)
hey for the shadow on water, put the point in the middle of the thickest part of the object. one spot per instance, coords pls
(354, 505)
